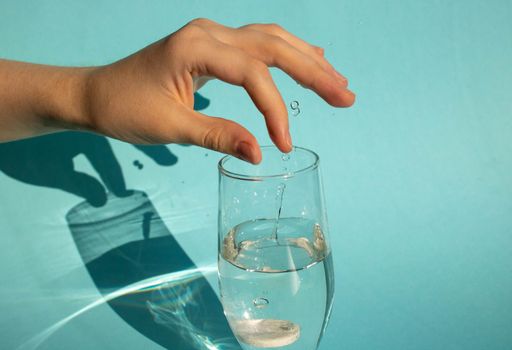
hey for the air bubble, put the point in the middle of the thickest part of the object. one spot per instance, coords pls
(280, 190)
(285, 157)
(260, 303)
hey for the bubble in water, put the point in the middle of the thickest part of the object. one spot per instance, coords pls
(280, 189)
(260, 303)
(329, 43)
(294, 105)
(285, 157)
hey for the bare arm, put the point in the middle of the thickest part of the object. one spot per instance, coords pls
(37, 99)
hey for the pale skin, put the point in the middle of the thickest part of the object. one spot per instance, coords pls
(148, 97)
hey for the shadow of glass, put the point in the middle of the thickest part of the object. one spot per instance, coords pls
(122, 240)
(126, 242)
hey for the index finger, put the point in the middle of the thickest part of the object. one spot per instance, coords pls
(235, 66)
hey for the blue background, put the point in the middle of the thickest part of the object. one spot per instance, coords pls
(418, 174)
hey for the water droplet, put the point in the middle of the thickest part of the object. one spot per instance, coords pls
(260, 303)
(329, 43)
(294, 105)
(236, 200)
(138, 164)
(206, 154)
(285, 157)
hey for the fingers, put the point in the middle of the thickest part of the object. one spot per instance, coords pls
(275, 51)
(241, 57)
(234, 66)
(220, 135)
(275, 46)
(315, 52)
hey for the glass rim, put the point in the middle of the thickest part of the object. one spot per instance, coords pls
(235, 175)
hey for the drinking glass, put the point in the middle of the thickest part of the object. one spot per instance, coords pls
(275, 266)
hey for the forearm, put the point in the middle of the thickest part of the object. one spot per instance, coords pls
(37, 99)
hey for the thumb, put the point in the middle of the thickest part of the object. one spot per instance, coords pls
(221, 135)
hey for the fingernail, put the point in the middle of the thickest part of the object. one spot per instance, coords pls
(340, 78)
(352, 97)
(244, 151)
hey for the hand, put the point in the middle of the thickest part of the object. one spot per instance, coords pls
(148, 97)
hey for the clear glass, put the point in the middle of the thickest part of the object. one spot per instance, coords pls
(275, 266)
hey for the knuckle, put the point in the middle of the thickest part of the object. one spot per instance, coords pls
(191, 31)
(200, 21)
(274, 28)
(186, 37)
(275, 42)
(257, 67)
(212, 138)
(319, 50)
(274, 48)
(314, 81)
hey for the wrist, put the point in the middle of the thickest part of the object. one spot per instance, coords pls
(63, 98)
(37, 99)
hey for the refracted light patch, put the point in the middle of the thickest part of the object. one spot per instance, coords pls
(153, 283)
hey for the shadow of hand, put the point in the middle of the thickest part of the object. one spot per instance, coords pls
(48, 161)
